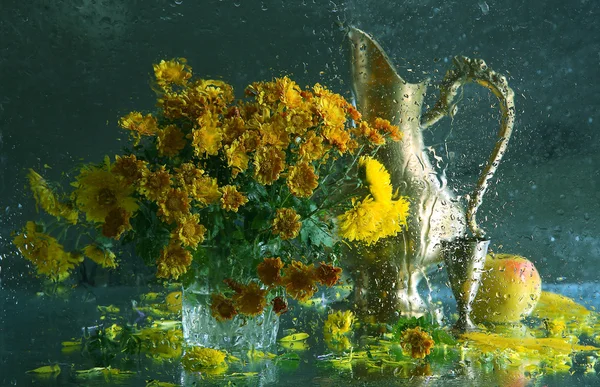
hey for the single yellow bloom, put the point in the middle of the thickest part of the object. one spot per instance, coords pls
(98, 191)
(286, 223)
(175, 71)
(339, 323)
(416, 342)
(269, 162)
(170, 141)
(189, 231)
(302, 180)
(207, 139)
(231, 199)
(174, 261)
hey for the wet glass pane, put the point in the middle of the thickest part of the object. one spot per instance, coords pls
(462, 250)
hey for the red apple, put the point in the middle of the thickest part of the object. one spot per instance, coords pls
(510, 288)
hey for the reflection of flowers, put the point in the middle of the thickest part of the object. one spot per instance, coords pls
(104, 258)
(416, 342)
(221, 307)
(198, 358)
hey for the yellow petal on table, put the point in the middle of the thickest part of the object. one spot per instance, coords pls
(52, 369)
(156, 383)
(294, 337)
(108, 309)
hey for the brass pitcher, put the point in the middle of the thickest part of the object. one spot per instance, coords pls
(386, 279)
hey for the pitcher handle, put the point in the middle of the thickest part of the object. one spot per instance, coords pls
(475, 70)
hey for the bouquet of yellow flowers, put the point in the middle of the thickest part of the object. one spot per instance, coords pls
(260, 189)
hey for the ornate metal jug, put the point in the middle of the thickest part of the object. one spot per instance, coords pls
(389, 273)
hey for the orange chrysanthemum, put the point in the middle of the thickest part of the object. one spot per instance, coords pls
(269, 271)
(170, 72)
(189, 231)
(386, 127)
(174, 205)
(286, 223)
(327, 274)
(416, 342)
(371, 134)
(222, 308)
(129, 168)
(231, 199)
(170, 141)
(274, 134)
(174, 261)
(116, 223)
(269, 162)
(251, 299)
(155, 185)
(299, 281)
(339, 138)
(279, 305)
(302, 180)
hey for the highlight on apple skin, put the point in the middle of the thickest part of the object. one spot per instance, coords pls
(510, 289)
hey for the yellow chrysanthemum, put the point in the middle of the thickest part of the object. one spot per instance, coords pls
(286, 223)
(46, 253)
(155, 185)
(189, 231)
(378, 179)
(175, 71)
(104, 258)
(174, 205)
(312, 147)
(170, 141)
(206, 191)
(269, 162)
(198, 359)
(207, 139)
(299, 281)
(116, 223)
(129, 168)
(174, 261)
(339, 322)
(302, 180)
(99, 191)
(273, 133)
(231, 199)
(416, 342)
(237, 157)
(233, 126)
(288, 92)
(363, 221)
(251, 299)
(139, 125)
(45, 198)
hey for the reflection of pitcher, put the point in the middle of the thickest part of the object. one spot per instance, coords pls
(387, 275)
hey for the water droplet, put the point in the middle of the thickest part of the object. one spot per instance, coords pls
(485, 8)
(263, 7)
(237, 4)
(178, 2)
